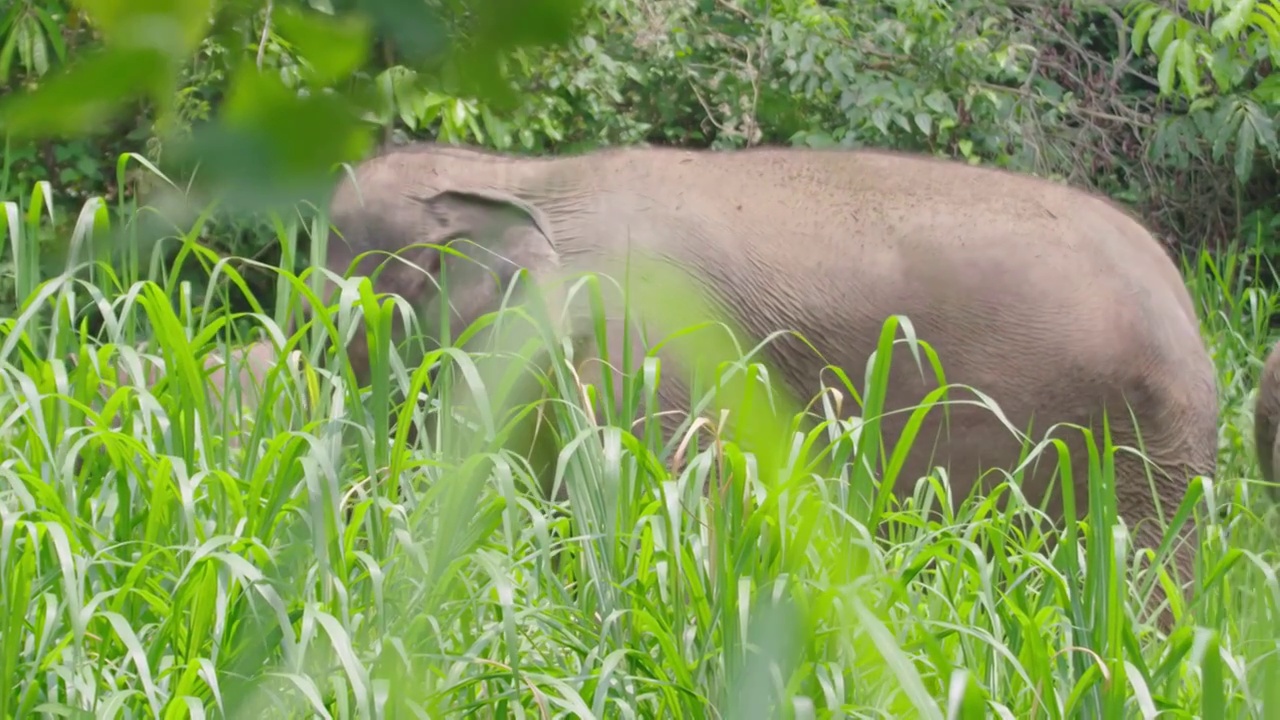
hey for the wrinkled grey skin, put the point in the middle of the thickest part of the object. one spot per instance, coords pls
(1052, 301)
(1266, 420)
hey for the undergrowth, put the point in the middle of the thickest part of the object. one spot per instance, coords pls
(167, 551)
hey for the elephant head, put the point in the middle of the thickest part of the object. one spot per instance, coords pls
(411, 219)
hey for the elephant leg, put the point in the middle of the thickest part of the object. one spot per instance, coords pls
(1148, 494)
(1041, 481)
(662, 411)
(1138, 507)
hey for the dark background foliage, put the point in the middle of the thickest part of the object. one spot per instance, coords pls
(1169, 109)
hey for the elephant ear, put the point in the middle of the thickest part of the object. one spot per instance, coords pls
(498, 233)
(489, 239)
(488, 236)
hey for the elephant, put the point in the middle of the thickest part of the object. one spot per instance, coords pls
(251, 364)
(1266, 420)
(1052, 300)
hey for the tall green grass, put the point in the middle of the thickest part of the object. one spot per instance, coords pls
(165, 555)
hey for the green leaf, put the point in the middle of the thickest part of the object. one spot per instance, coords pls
(1225, 121)
(53, 32)
(1142, 25)
(500, 26)
(1212, 695)
(1268, 91)
(972, 703)
(1264, 126)
(1267, 18)
(1188, 70)
(880, 119)
(522, 23)
(271, 147)
(1165, 69)
(412, 25)
(86, 96)
(1161, 33)
(940, 103)
(1222, 67)
(924, 121)
(1232, 22)
(174, 26)
(1246, 145)
(332, 47)
(7, 53)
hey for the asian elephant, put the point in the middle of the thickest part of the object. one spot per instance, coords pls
(1266, 420)
(250, 363)
(1052, 301)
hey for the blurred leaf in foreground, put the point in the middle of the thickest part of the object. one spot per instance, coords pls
(499, 26)
(174, 26)
(415, 29)
(272, 146)
(145, 44)
(507, 24)
(87, 95)
(333, 47)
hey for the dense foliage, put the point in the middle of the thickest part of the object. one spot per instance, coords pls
(162, 554)
(1172, 111)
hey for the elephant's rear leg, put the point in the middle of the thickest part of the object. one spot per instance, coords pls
(1136, 480)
